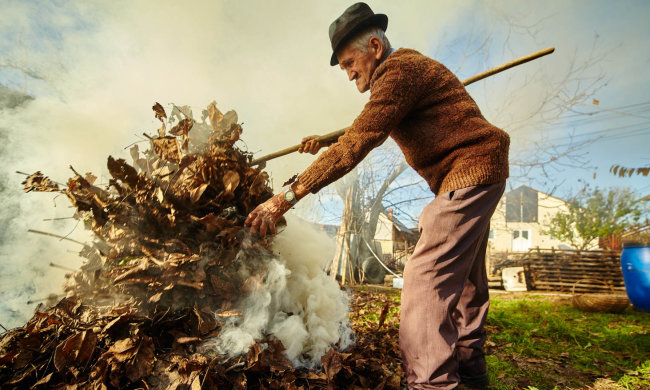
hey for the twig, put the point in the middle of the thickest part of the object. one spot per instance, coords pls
(57, 219)
(133, 143)
(55, 235)
(1, 326)
(54, 265)
(207, 371)
(71, 231)
(236, 366)
(45, 299)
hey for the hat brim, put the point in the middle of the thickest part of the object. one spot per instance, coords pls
(376, 20)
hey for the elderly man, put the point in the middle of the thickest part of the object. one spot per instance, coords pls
(463, 158)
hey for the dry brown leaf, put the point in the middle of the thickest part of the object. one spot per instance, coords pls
(229, 313)
(204, 323)
(332, 363)
(230, 181)
(183, 127)
(253, 354)
(214, 115)
(90, 178)
(155, 298)
(258, 187)
(291, 180)
(162, 130)
(143, 361)
(44, 381)
(160, 111)
(119, 169)
(195, 193)
(382, 316)
(229, 119)
(188, 340)
(196, 383)
(166, 148)
(40, 183)
(213, 223)
(75, 350)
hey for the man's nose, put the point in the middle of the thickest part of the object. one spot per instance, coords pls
(352, 74)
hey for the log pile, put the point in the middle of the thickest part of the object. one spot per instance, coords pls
(561, 270)
(171, 258)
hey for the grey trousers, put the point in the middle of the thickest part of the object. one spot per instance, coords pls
(445, 293)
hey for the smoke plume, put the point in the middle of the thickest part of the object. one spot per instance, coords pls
(296, 302)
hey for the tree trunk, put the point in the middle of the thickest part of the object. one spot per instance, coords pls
(343, 258)
(362, 222)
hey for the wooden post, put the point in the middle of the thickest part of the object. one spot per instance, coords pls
(336, 260)
(333, 136)
(342, 257)
(346, 256)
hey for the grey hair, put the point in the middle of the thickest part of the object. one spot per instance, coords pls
(361, 40)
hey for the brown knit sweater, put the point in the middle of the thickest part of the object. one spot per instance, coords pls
(433, 119)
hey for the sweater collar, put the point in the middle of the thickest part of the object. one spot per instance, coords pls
(381, 63)
(386, 54)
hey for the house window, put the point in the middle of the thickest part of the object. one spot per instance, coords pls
(521, 205)
(521, 241)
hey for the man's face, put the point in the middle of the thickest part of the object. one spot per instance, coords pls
(360, 66)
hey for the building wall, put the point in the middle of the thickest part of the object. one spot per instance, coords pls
(384, 228)
(502, 232)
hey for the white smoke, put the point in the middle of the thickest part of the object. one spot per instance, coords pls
(296, 302)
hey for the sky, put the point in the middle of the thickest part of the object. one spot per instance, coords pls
(94, 69)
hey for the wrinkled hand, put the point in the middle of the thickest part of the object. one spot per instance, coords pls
(310, 145)
(264, 217)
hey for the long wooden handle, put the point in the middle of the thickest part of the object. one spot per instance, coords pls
(333, 136)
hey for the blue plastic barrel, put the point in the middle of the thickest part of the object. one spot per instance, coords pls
(635, 263)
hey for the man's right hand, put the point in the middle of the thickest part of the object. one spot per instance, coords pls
(310, 145)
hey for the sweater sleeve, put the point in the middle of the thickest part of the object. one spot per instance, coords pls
(393, 94)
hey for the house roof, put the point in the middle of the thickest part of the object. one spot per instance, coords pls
(528, 188)
(398, 224)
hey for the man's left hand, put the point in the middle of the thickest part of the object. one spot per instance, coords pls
(265, 216)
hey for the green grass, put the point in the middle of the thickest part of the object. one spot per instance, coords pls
(637, 379)
(538, 342)
(544, 343)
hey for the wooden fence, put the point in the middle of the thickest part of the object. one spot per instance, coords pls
(560, 270)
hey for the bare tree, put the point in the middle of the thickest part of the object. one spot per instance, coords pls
(362, 193)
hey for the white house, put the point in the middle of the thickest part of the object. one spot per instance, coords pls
(395, 238)
(520, 219)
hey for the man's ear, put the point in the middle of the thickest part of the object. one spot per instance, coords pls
(377, 47)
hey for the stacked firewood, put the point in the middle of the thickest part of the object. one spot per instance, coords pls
(163, 274)
(574, 270)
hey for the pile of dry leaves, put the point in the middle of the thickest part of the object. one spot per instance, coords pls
(162, 277)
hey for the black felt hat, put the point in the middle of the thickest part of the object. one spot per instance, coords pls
(356, 18)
